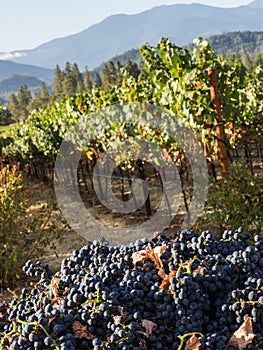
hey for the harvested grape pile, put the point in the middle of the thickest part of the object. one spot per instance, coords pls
(187, 292)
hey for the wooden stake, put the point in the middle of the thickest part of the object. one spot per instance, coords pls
(219, 122)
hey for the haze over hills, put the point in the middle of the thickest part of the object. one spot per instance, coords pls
(123, 34)
(119, 33)
(9, 68)
(13, 83)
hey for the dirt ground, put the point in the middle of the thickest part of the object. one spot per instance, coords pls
(71, 240)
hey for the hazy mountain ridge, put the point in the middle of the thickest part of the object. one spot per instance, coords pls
(233, 42)
(14, 82)
(148, 26)
(9, 68)
(118, 33)
(236, 42)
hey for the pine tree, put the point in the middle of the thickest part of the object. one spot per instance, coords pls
(110, 76)
(133, 69)
(87, 79)
(57, 82)
(98, 80)
(44, 91)
(257, 60)
(68, 88)
(13, 107)
(246, 60)
(23, 97)
(77, 79)
(40, 101)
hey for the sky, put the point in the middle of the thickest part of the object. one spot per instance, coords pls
(26, 24)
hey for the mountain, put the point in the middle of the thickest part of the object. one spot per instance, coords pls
(236, 42)
(14, 82)
(9, 68)
(118, 33)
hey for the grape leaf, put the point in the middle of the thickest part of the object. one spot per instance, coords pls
(54, 288)
(80, 331)
(167, 280)
(140, 256)
(243, 336)
(155, 256)
(120, 309)
(193, 343)
(142, 343)
(200, 270)
(152, 253)
(117, 319)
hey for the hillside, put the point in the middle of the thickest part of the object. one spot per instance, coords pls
(9, 68)
(235, 42)
(118, 33)
(13, 83)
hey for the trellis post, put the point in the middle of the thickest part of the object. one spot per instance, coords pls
(219, 122)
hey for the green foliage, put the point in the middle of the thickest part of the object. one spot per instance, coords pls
(233, 202)
(26, 228)
(234, 43)
(173, 78)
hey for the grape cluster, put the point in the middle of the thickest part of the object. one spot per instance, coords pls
(105, 297)
(37, 269)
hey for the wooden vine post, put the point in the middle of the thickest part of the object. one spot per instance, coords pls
(219, 123)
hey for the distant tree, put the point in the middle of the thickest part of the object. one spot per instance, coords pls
(13, 107)
(44, 91)
(3, 111)
(77, 78)
(57, 82)
(40, 101)
(133, 69)
(72, 82)
(23, 97)
(110, 76)
(5, 116)
(68, 86)
(257, 59)
(97, 80)
(246, 60)
(230, 57)
(87, 79)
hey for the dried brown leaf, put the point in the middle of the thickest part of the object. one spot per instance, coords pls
(51, 320)
(155, 255)
(161, 273)
(117, 319)
(243, 336)
(142, 343)
(200, 270)
(80, 331)
(54, 288)
(142, 255)
(193, 343)
(167, 280)
(120, 310)
(149, 326)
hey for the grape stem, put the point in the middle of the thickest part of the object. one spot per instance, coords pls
(182, 338)
(36, 324)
